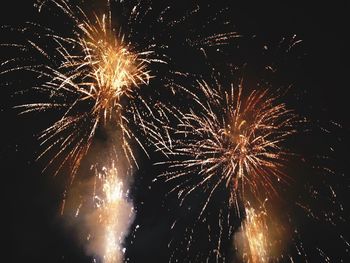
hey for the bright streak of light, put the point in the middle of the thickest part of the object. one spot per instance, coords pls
(113, 196)
(115, 214)
(256, 233)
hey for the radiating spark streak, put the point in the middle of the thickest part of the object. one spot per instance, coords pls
(323, 255)
(217, 250)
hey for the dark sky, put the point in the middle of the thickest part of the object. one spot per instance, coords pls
(33, 231)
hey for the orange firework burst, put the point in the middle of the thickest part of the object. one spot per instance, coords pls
(115, 71)
(97, 70)
(234, 139)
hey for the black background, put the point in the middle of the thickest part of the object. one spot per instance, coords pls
(32, 228)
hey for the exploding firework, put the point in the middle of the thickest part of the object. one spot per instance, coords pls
(233, 143)
(92, 75)
(235, 139)
(96, 70)
(232, 150)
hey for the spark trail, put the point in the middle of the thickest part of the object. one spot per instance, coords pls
(108, 224)
(256, 233)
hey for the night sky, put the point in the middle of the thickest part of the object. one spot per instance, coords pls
(318, 70)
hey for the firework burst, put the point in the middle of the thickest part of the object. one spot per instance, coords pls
(96, 70)
(232, 150)
(234, 139)
(92, 75)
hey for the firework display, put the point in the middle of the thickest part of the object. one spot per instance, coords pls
(92, 76)
(120, 110)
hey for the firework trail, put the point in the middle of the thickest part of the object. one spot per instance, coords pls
(109, 222)
(261, 237)
(100, 210)
(255, 228)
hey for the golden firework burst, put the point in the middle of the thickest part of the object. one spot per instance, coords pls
(232, 138)
(98, 72)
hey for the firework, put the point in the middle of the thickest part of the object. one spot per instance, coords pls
(96, 70)
(115, 214)
(92, 75)
(233, 143)
(231, 151)
(234, 139)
